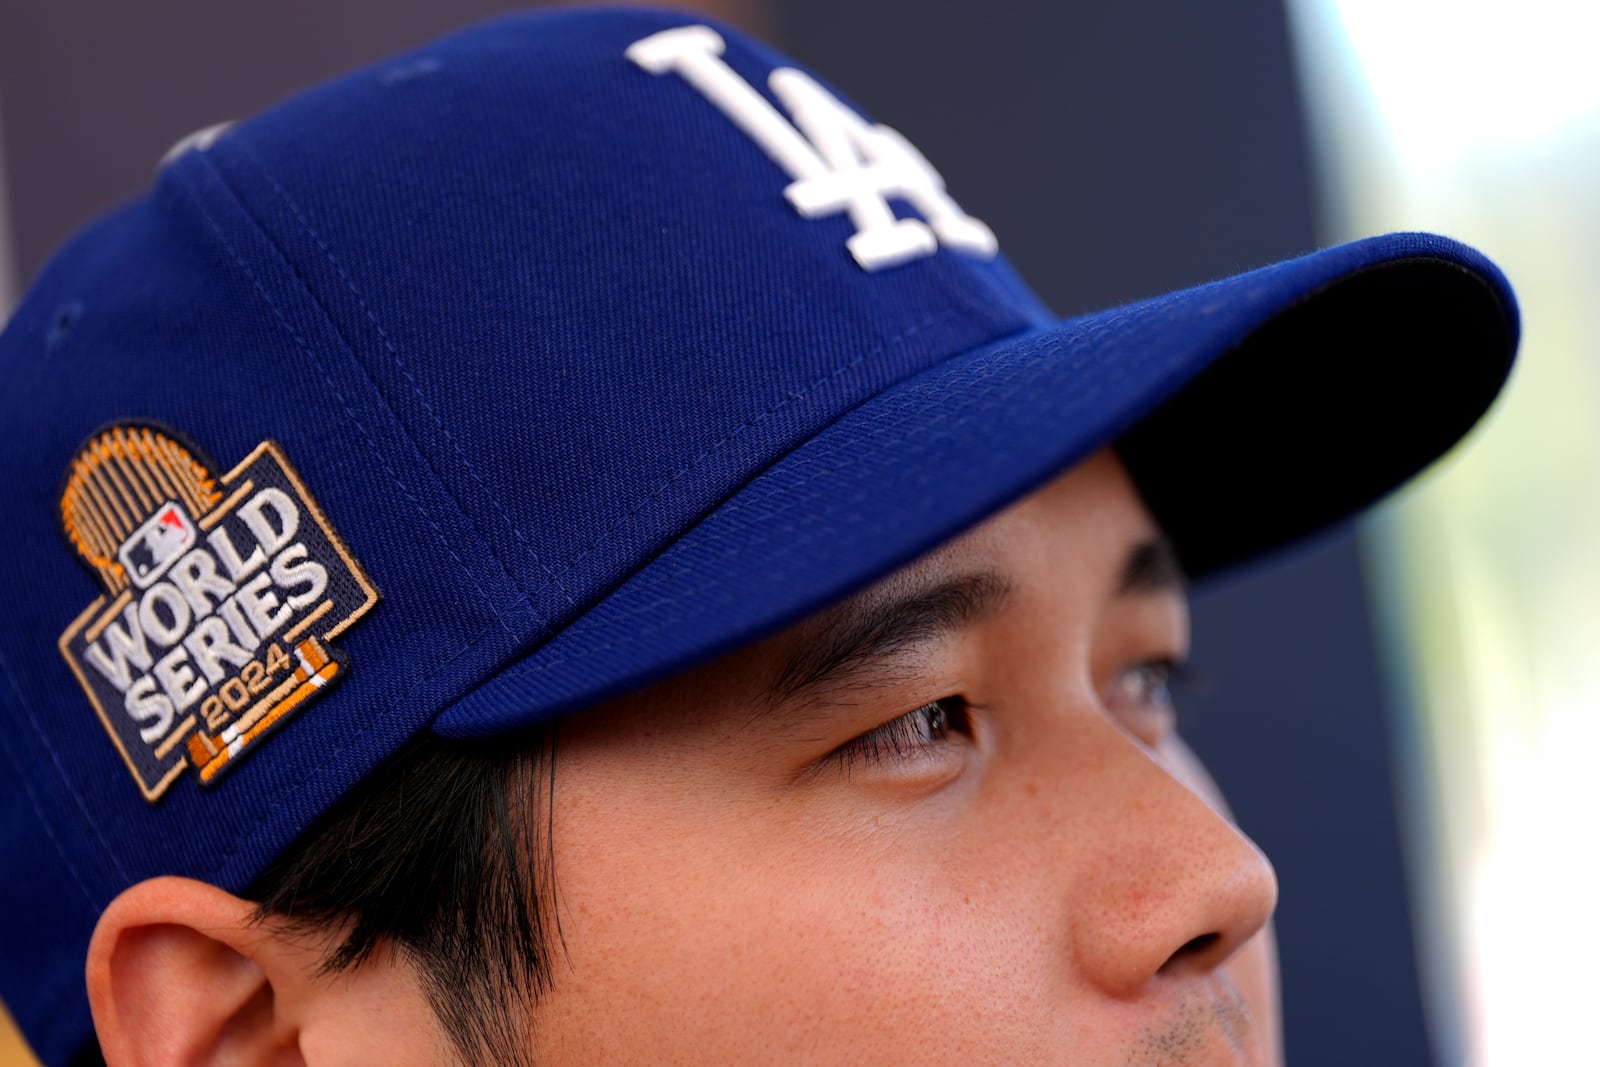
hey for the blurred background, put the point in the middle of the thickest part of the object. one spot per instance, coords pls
(1404, 717)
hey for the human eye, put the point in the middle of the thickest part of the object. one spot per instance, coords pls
(920, 736)
(1147, 684)
(1140, 698)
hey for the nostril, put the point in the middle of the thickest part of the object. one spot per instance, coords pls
(61, 326)
(1191, 949)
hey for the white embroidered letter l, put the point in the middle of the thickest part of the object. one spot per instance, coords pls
(838, 162)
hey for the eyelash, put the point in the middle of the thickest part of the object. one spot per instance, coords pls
(905, 737)
(937, 721)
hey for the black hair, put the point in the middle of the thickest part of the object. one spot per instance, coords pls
(442, 855)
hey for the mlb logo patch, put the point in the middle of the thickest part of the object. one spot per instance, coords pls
(222, 597)
(156, 545)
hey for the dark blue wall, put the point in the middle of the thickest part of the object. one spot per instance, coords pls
(1120, 150)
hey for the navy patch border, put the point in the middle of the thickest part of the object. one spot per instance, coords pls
(300, 664)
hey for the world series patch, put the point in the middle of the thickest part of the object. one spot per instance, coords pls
(222, 599)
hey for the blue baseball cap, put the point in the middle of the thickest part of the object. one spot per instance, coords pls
(547, 361)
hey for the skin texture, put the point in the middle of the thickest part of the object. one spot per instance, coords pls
(754, 870)
(178, 974)
(1054, 884)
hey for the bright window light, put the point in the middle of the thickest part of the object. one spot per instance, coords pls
(1454, 77)
(1482, 120)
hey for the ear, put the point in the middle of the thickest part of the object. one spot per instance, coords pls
(178, 973)
(175, 976)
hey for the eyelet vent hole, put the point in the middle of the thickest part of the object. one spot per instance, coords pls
(62, 324)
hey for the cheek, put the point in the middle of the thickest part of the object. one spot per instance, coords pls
(733, 933)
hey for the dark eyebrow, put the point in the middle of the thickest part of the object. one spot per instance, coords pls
(1152, 567)
(856, 636)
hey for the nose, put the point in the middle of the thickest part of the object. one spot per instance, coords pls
(1172, 889)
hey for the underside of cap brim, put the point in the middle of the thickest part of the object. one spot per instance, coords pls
(1332, 403)
(1251, 411)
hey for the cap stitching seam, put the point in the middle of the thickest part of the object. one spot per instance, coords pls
(235, 844)
(416, 389)
(557, 661)
(283, 321)
(802, 394)
(554, 578)
(44, 820)
(310, 771)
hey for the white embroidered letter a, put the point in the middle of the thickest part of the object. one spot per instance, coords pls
(838, 161)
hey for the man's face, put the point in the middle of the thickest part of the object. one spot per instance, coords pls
(948, 821)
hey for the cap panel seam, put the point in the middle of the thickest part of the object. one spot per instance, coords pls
(237, 842)
(801, 396)
(310, 771)
(305, 347)
(553, 662)
(44, 820)
(792, 398)
(394, 352)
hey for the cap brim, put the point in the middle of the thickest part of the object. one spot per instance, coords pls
(1251, 412)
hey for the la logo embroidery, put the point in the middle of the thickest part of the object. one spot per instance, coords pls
(838, 162)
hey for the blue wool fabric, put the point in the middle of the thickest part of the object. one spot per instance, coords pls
(590, 402)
